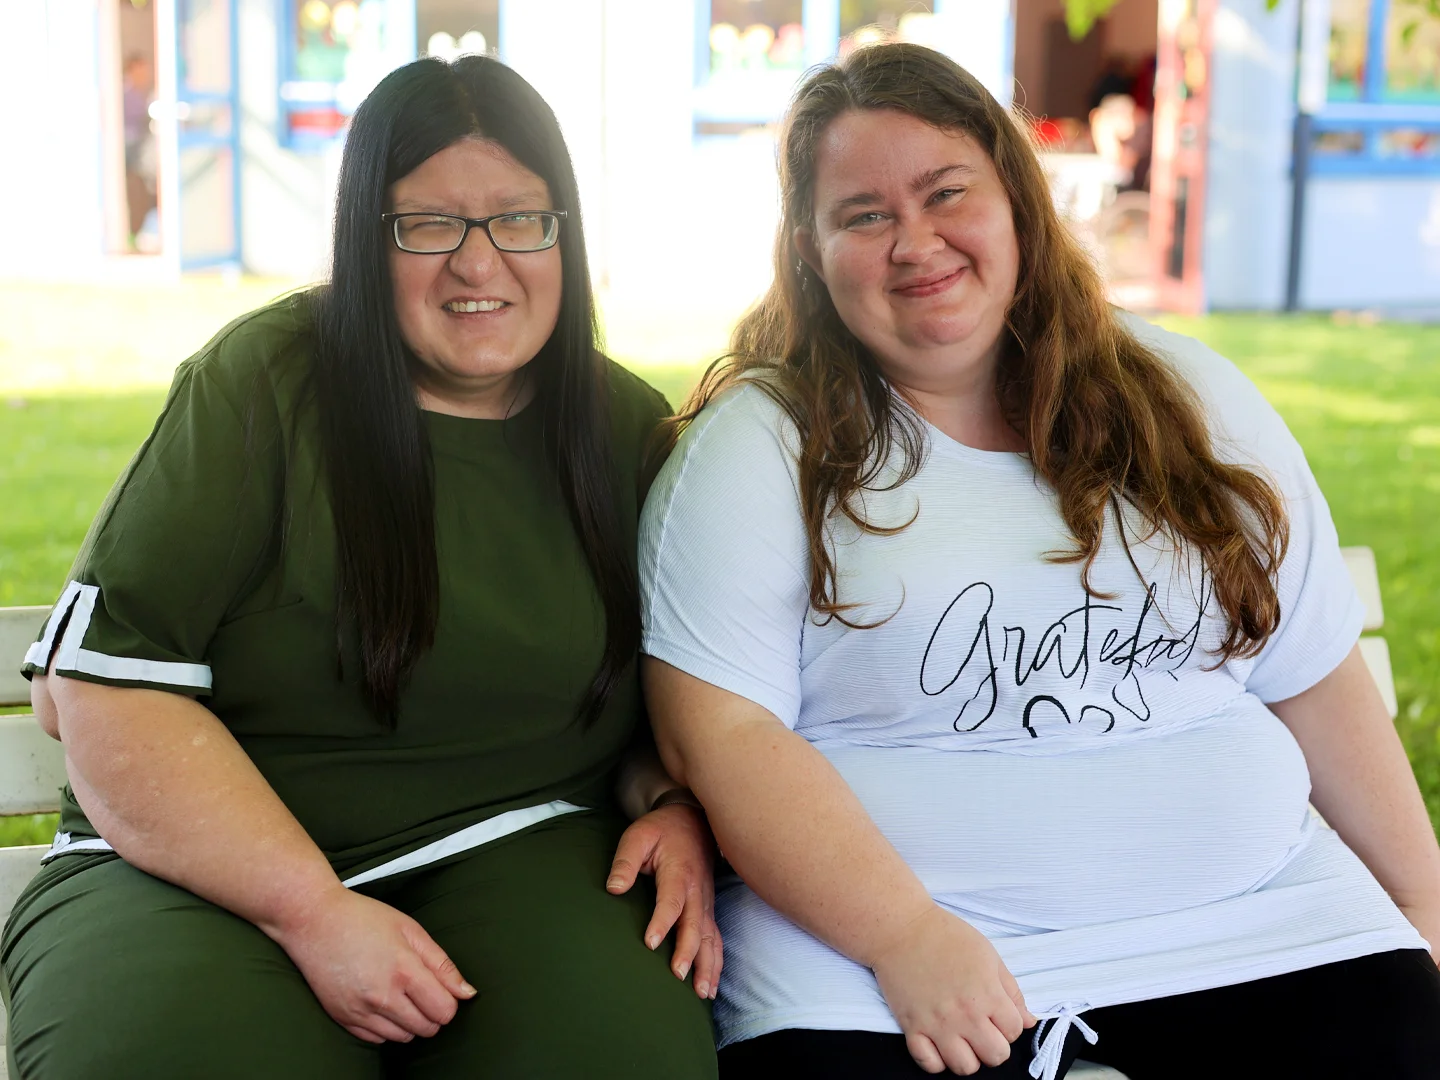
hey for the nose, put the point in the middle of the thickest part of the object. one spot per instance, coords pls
(915, 240)
(475, 259)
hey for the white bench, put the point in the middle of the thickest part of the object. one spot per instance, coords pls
(32, 769)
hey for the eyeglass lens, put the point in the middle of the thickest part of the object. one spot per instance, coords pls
(427, 234)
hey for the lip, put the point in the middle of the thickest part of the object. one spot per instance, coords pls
(931, 284)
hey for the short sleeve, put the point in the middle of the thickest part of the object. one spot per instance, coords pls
(1321, 614)
(178, 539)
(724, 563)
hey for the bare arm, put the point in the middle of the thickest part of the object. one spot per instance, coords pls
(44, 706)
(167, 785)
(797, 834)
(1363, 785)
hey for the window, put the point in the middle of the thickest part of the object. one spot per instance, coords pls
(332, 53)
(865, 21)
(751, 54)
(1349, 29)
(1382, 111)
(1412, 51)
(1402, 36)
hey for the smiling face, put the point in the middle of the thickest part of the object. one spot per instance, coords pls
(914, 238)
(475, 317)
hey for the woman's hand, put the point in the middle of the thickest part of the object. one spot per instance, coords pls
(674, 844)
(375, 970)
(951, 994)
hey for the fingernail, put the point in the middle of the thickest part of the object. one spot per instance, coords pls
(615, 882)
(702, 988)
(468, 990)
(684, 969)
(652, 942)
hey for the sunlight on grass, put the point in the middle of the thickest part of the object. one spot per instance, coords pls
(1340, 405)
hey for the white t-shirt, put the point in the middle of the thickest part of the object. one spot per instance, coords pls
(1070, 774)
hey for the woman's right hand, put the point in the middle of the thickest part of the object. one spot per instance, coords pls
(374, 969)
(951, 994)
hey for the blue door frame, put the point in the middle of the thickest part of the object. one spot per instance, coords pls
(189, 99)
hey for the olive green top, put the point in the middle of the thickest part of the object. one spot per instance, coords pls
(210, 570)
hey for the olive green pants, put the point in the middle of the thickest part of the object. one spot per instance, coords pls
(110, 973)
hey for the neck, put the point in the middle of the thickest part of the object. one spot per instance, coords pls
(961, 402)
(496, 400)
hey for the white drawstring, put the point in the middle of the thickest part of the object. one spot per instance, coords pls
(1049, 1046)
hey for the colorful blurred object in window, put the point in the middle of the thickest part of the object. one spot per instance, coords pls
(1412, 51)
(864, 22)
(1349, 28)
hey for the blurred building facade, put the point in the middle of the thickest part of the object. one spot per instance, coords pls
(669, 109)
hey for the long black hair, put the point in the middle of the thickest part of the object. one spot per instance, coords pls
(376, 456)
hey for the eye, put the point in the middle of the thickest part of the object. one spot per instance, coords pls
(870, 217)
(427, 224)
(945, 195)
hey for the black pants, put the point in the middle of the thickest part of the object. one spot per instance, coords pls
(1374, 1018)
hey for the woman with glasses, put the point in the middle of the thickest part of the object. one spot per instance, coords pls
(965, 597)
(346, 667)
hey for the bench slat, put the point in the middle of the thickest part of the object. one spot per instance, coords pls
(19, 626)
(1376, 652)
(1360, 561)
(32, 768)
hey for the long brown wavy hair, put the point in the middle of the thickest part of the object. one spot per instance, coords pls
(1106, 421)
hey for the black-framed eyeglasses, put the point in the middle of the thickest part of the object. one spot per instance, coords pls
(440, 234)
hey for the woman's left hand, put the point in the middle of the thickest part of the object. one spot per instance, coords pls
(674, 844)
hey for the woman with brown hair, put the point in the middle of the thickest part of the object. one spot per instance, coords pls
(1005, 639)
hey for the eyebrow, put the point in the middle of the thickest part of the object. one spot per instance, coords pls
(920, 183)
(532, 198)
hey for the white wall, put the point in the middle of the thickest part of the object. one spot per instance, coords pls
(53, 178)
(287, 198)
(1371, 243)
(1252, 114)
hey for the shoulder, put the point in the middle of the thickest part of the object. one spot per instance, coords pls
(1237, 413)
(743, 431)
(747, 415)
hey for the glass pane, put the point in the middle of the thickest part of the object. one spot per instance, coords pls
(524, 233)
(866, 21)
(428, 233)
(1409, 144)
(757, 51)
(1412, 51)
(448, 28)
(205, 46)
(756, 36)
(1339, 142)
(207, 203)
(205, 118)
(322, 39)
(1349, 28)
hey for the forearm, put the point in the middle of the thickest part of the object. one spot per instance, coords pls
(785, 819)
(167, 785)
(1362, 783)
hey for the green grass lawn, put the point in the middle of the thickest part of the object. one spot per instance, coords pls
(1364, 401)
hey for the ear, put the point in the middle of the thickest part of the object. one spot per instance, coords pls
(804, 237)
